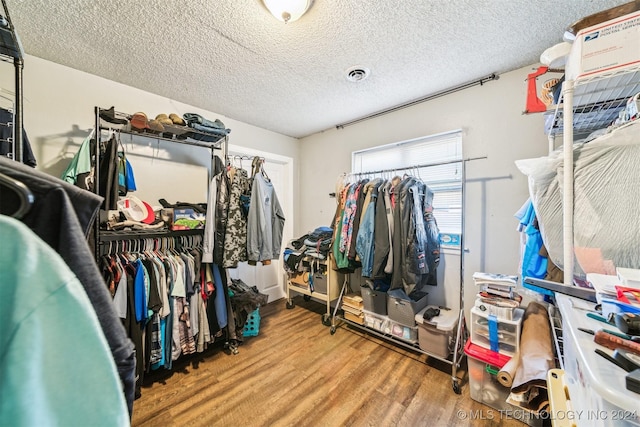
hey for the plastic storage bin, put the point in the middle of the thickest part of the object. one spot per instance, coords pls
(508, 331)
(374, 301)
(596, 387)
(376, 321)
(404, 332)
(437, 335)
(320, 282)
(485, 388)
(403, 310)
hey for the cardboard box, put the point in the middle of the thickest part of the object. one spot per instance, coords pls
(606, 47)
(187, 219)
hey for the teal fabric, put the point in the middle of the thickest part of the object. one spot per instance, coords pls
(81, 162)
(55, 365)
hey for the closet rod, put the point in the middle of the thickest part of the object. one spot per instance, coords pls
(449, 91)
(110, 236)
(426, 165)
(243, 157)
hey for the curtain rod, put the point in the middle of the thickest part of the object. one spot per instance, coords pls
(449, 91)
(426, 165)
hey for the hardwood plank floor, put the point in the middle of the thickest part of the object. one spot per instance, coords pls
(295, 373)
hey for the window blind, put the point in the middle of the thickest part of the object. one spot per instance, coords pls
(445, 180)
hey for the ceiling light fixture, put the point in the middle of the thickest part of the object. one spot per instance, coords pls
(288, 10)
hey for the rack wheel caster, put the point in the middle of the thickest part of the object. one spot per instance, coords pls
(333, 330)
(326, 320)
(290, 305)
(307, 298)
(456, 387)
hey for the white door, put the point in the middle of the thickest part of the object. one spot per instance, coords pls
(270, 279)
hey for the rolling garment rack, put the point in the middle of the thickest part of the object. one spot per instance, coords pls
(11, 51)
(139, 238)
(102, 237)
(461, 332)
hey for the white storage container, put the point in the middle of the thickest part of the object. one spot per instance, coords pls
(436, 336)
(507, 333)
(404, 332)
(376, 321)
(596, 387)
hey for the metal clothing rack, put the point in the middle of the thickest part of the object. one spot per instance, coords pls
(461, 332)
(104, 238)
(100, 125)
(11, 51)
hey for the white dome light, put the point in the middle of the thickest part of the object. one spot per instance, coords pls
(287, 10)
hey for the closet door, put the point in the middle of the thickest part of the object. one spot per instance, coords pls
(270, 279)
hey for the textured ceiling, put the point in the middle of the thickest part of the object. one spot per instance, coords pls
(232, 57)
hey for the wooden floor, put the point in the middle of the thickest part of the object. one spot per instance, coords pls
(295, 373)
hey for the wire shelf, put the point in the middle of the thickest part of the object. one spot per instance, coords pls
(597, 101)
(556, 330)
(10, 46)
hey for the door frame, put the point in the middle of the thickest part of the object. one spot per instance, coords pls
(286, 202)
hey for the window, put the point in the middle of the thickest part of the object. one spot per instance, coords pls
(444, 178)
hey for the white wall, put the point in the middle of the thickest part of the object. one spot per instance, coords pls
(59, 112)
(493, 126)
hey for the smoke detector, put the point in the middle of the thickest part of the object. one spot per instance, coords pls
(357, 74)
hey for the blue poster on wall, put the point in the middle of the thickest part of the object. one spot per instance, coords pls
(450, 240)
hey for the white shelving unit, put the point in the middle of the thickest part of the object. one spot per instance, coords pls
(327, 291)
(589, 103)
(596, 102)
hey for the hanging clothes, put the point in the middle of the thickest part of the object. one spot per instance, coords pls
(235, 240)
(398, 238)
(222, 212)
(6, 139)
(51, 334)
(62, 215)
(265, 222)
(365, 238)
(210, 221)
(166, 303)
(532, 263)
(382, 236)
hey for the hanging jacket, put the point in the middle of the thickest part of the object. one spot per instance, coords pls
(381, 236)
(355, 227)
(338, 256)
(222, 210)
(389, 209)
(208, 242)
(80, 166)
(432, 249)
(235, 239)
(403, 274)
(265, 222)
(366, 234)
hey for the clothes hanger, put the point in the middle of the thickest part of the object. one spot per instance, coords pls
(25, 196)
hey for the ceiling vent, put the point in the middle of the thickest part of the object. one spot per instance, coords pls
(357, 74)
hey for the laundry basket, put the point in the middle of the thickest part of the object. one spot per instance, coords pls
(252, 326)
